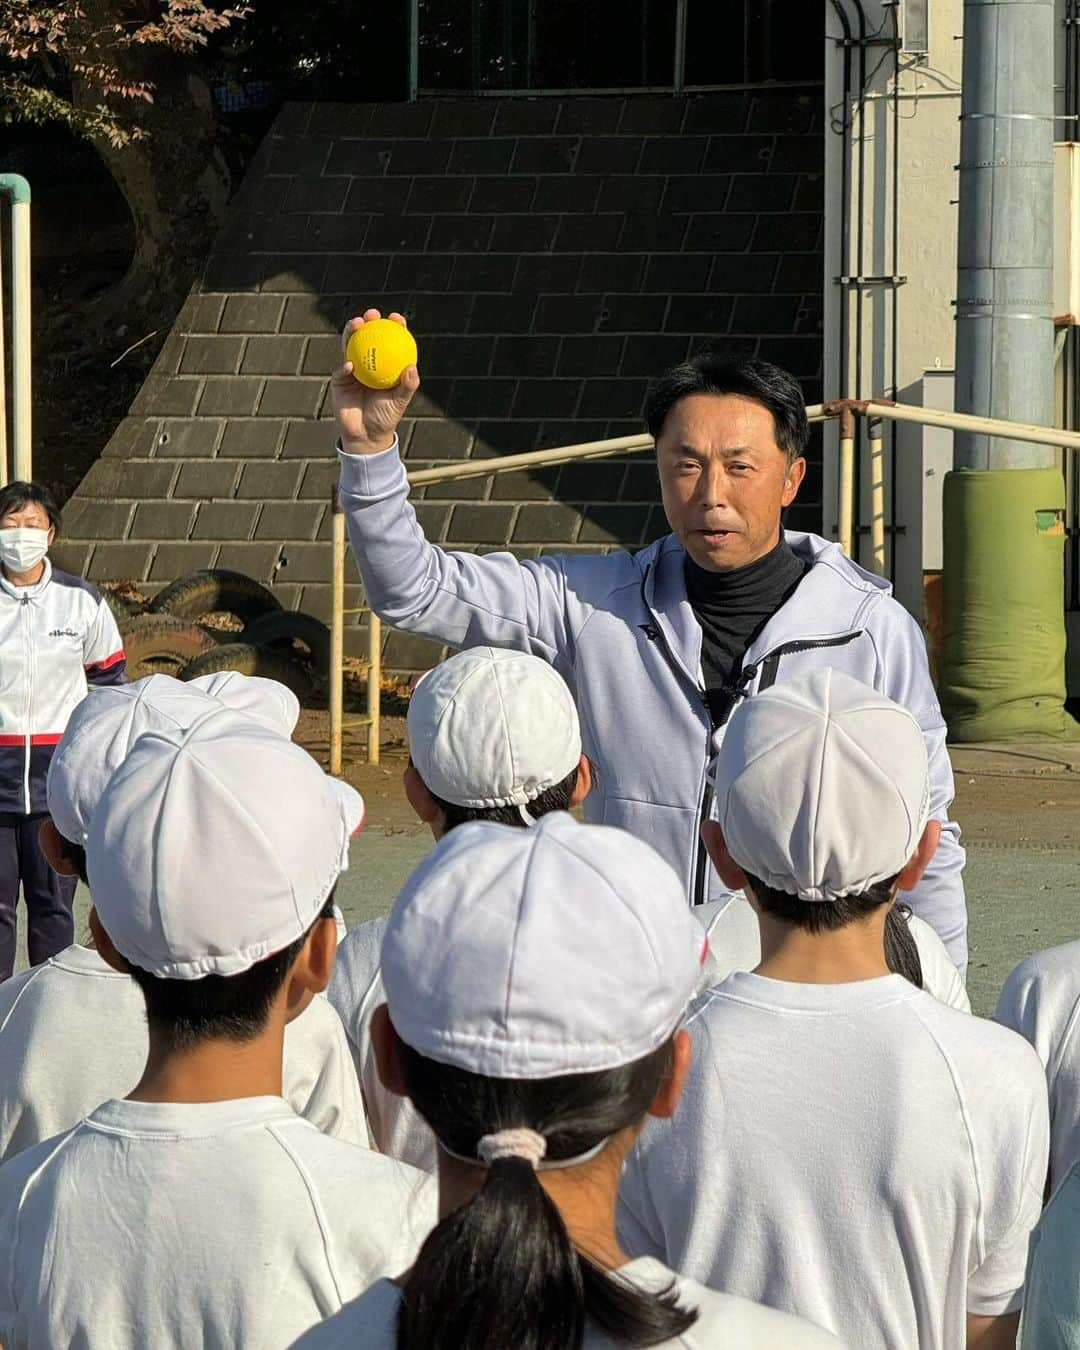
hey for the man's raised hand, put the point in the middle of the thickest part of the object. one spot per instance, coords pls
(368, 418)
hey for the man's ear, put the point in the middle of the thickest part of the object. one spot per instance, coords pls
(729, 871)
(423, 803)
(667, 1099)
(51, 842)
(104, 947)
(385, 1042)
(911, 874)
(583, 786)
(796, 472)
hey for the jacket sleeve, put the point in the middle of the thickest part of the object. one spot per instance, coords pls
(905, 677)
(457, 598)
(103, 649)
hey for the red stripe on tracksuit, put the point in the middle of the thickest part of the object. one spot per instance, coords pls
(107, 662)
(51, 738)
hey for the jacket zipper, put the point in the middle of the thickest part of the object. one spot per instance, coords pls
(770, 664)
(29, 648)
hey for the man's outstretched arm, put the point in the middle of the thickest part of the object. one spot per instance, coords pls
(457, 598)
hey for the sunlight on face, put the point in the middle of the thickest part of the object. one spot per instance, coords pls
(723, 479)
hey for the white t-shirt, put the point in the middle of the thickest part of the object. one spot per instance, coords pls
(219, 1225)
(356, 990)
(735, 944)
(724, 1321)
(1051, 1318)
(1041, 1000)
(73, 1034)
(858, 1153)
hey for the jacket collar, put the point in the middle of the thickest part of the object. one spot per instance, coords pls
(828, 602)
(27, 592)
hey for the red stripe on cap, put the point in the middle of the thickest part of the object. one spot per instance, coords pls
(108, 661)
(53, 738)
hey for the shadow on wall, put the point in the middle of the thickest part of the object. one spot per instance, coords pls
(551, 256)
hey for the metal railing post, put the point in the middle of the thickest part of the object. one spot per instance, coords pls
(3, 387)
(678, 77)
(337, 632)
(846, 507)
(374, 685)
(877, 495)
(414, 49)
(17, 190)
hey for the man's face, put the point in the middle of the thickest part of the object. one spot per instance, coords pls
(723, 479)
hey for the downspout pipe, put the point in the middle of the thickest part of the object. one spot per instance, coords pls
(16, 190)
(1005, 246)
(1003, 633)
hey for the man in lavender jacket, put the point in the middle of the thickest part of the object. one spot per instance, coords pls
(659, 645)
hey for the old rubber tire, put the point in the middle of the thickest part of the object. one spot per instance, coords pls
(281, 630)
(248, 659)
(214, 591)
(159, 644)
(122, 609)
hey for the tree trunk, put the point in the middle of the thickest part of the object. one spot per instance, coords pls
(175, 181)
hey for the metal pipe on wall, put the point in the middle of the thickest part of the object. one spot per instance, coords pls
(1005, 246)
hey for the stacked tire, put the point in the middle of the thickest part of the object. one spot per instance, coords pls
(274, 643)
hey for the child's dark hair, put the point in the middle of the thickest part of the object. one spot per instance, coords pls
(555, 798)
(16, 495)
(502, 1271)
(219, 1007)
(814, 916)
(75, 854)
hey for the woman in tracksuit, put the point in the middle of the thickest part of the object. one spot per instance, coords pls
(56, 636)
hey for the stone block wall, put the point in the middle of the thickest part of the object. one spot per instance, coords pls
(551, 255)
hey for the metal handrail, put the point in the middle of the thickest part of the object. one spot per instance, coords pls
(844, 410)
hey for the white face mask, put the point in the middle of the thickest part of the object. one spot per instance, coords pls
(22, 548)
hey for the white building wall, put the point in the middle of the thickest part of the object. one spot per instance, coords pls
(921, 128)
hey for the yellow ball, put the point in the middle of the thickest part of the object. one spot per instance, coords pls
(379, 352)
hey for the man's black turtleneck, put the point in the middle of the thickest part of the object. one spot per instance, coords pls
(732, 608)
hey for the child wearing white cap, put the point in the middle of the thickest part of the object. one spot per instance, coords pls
(73, 1030)
(535, 1047)
(215, 1215)
(847, 1146)
(493, 735)
(1041, 1000)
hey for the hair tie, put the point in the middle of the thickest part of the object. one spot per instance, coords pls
(519, 1143)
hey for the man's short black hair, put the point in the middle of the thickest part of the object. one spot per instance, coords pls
(711, 373)
(556, 798)
(219, 1007)
(16, 495)
(821, 916)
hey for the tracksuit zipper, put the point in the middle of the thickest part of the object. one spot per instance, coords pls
(29, 649)
(768, 666)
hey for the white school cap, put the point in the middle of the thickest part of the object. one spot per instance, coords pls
(216, 845)
(822, 786)
(562, 949)
(108, 721)
(493, 728)
(269, 700)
